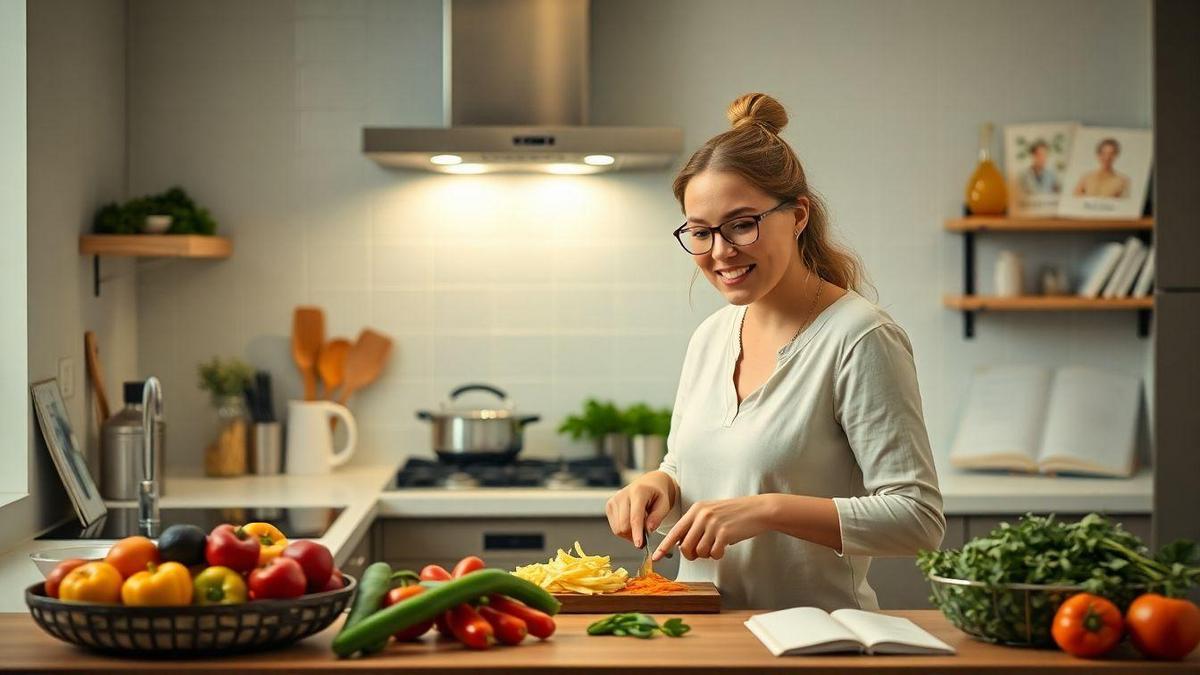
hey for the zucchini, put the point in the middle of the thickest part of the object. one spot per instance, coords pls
(433, 602)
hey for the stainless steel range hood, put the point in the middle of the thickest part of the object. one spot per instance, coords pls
(516, 99)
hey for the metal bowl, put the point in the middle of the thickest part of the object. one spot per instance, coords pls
(1019, 615)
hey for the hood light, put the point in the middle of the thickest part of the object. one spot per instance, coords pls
(446, 160)
(599, 160)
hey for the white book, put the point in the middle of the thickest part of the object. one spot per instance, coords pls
(811, 630)
(1098, 268)
(1125, 284)
(1041, 420)
(1126, 268)
(1141, 287)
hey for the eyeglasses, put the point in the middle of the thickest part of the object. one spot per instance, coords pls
(741, 231)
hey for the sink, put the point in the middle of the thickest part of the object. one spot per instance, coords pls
(306, 522)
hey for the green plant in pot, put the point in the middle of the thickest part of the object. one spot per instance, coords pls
(226, 381)
(648, 429)
(601, 422)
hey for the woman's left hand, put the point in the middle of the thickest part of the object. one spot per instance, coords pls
(708, 527)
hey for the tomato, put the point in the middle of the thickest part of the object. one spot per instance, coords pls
(91, 582)
(539, 624)
(336, 581)
(471, 629)
(314, 559)
(58, 573)
(434, 573)
(1162, 627)
(279, 578)
(232, 547)
(1087, 626)
(467, 565)
(132, 555)
(398, 595)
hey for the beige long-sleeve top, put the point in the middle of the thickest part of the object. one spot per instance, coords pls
(840, 417)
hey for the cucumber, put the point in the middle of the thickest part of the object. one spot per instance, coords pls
(375, 583)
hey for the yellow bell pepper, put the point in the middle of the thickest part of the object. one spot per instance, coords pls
(160, 586)
(271, 541)
(91, 582)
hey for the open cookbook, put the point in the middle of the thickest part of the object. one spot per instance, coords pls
(811, 630)
(1034, 419)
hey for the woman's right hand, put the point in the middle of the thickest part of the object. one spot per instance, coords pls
(642, 505)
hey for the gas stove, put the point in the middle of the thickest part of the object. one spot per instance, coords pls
(527, 473)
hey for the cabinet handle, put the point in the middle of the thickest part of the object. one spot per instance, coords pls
(514, 541)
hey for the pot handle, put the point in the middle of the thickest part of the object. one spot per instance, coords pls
(459, 391)
(528, 419)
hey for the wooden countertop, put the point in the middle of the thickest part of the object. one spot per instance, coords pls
(718, 643)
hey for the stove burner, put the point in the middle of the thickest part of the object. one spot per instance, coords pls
(552, 474)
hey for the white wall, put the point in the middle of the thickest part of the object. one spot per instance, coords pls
(558, 288)
(76, 163)
(13, 370)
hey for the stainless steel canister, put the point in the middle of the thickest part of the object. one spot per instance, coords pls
(121, 451)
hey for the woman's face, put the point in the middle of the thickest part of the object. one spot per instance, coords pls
(743, 274)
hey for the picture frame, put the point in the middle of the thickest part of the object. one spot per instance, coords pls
(1108, 173)
(1035, 162)
(63, 447)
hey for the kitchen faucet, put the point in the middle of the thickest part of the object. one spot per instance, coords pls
(152, 414)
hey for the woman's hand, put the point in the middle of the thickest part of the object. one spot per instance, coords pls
(708, 527)
(640, 506)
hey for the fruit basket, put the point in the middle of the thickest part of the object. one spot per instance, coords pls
(172, 632)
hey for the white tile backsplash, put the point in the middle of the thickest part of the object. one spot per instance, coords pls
(560, 288)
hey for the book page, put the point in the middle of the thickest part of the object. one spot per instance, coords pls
(1002, 421)
(1092, 422)
(802, 630)
(884, 634)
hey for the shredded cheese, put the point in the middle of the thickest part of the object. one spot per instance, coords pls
(587, 574)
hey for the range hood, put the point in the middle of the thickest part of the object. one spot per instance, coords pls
(516, 99)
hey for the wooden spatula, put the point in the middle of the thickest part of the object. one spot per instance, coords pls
(308, 334)
(331, 364)
(364, 362)
(91, 352)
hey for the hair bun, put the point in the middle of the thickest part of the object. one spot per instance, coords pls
(758, 109)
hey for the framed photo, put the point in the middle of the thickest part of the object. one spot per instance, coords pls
(1035, 161)
(1108, 173)
(64, 450)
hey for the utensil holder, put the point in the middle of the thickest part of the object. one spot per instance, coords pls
(266, 456)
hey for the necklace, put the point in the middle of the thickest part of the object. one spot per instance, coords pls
(811, 310)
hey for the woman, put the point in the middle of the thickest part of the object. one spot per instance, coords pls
(797, 447)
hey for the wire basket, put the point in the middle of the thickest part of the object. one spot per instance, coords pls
(1020, 615)
(170, 632)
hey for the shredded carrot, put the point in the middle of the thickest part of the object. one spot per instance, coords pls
(653, 584)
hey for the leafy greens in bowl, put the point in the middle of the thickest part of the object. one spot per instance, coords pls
(1006, 587)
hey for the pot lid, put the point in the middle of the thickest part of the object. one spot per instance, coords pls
(453, 407)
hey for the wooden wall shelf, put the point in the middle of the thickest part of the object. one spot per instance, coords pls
(150, 246)
(1043, 303)
(1006, 224)
(156, 245)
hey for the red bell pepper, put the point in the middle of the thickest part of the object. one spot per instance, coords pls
(232, 547)
(471, 629)
(509, 629)
(540, 624)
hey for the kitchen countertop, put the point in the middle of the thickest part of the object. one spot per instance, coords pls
(362, 491)
(718, 643)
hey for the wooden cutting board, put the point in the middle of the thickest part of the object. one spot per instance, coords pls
(700, 598)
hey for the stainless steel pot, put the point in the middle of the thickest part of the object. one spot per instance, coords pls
(462, 434)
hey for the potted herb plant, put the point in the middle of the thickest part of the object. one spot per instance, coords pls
(226, 381)
(601, 422)
(647, 428)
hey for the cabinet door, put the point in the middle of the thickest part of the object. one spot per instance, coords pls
(899, 583)
(1176, 144)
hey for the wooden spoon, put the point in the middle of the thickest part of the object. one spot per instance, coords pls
(308, 334)
(96, 375)
(331, 364)
(364, 362)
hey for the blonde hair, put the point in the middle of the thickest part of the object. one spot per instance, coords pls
(753, 150)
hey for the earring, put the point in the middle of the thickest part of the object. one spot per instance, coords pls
(798, 234)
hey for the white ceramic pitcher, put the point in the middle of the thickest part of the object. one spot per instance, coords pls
(310, 437)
